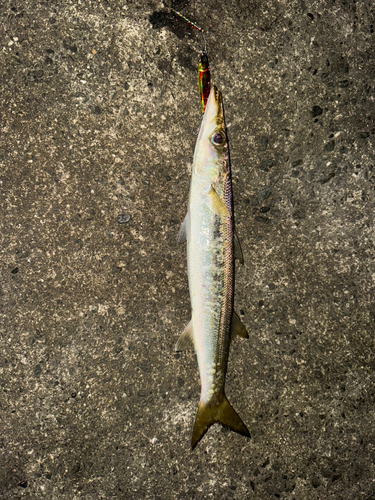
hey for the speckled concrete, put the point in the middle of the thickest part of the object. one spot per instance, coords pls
(98, 120)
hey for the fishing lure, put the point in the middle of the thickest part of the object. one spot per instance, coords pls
(204, 81)
(204, 76)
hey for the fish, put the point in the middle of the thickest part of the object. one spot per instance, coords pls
(212, 246)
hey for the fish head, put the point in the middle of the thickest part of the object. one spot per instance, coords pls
(211, 150)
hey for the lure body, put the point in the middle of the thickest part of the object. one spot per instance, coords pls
(204, 81)
(212, 246)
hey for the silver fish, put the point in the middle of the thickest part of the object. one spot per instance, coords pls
(212, 246)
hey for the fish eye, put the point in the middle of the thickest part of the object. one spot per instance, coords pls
(218, 138)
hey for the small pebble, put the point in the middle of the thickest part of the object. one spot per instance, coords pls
(123, 218)
(344, 83)
(263, 220)
(265, 193)
(330, 146)
(96, 110)
(180, 381)
(267, 165)
(363, 135)
(316, 111)
(297, 163)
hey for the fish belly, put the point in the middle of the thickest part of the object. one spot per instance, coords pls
(210, 269)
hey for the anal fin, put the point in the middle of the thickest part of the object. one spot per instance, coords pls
(182, 232)
(185, 342)
(237, 248)
(237, 327)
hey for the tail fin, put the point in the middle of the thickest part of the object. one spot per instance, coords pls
(220, 411)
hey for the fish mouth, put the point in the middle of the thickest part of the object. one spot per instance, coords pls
(214, 98)
(213, 118)
(217, 95)
(218, 104)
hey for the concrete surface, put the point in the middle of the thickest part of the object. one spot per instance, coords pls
(99, 114)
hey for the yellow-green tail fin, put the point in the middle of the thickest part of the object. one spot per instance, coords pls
(219, 410)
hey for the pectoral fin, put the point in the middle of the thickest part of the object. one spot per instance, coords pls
(185, 342)
(237, 327)
(217, 203)
(237, 248)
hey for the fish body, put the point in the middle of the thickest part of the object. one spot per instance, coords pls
(208, 229)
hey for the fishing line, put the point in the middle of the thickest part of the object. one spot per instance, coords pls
(204, 76)
(191, 24)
